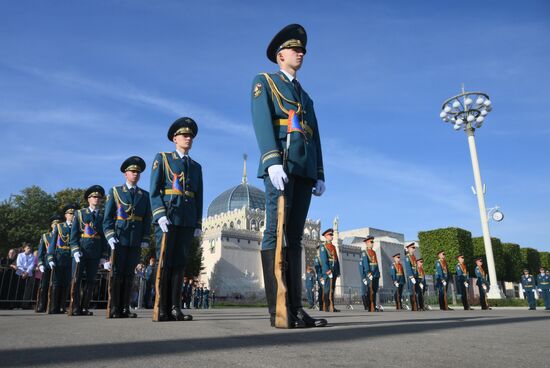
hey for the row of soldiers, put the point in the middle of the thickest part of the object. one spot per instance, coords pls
(194, 295)
(113, 237)
(411, 274)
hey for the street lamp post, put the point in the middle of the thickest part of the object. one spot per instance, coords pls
(467, 112)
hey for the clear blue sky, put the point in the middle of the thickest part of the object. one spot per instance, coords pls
(83, 85)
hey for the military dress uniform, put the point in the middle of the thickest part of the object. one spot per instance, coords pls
(371, 274)
(412, 276)
(88, 240)
(277, 101)
(59, 252)
(127, 221)
(45, 241)
(442, 282)
(310, 283)
(463, 283)
(421, 283)
(529, 287)
(543, 283)
(482, 284)
(330, 268)
(177, 194)
(398, 278)
(319, 280)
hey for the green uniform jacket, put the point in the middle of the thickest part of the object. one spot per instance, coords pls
(180, 200)
(87, 235)
(59, 250)
(45, 241)
(269, 116)
(129, 221)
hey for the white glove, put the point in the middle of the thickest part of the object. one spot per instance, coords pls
(112, 242)
(444, 283)
(484, 287)
(319, 188)
(77, 256)
(107, 265)
(144, 245)
(421, 286)
(277, 176)
(365, 281)
(534, 291)
(303, 276)
(370, 277)
(163, 223)
(197, 233)
(41, 268)
(540, 290)
(466, 284)
(413, 280)
(330, 276)
(396, 284)
(52, 265)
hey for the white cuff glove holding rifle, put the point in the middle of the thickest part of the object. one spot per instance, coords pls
(365, 281)
(163, 224)
(466, 284)
(413, 280)
(484, 287)
(77, 256)
(319, 188)
(41, 268)
(52, 265)
(396, 284)
(112, 242)
(421, 286)
(277, 176)
(444, 283)
(370, 277)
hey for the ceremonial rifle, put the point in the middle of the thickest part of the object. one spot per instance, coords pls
(111, 282)
(49, 305)
(73, 282)
(158, 279)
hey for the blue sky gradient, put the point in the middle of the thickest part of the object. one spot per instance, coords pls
(83, 85)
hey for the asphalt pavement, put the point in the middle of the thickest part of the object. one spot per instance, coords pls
(241, 337)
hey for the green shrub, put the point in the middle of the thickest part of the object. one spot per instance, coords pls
(452, 240)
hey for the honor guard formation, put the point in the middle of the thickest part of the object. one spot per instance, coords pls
(291, 167)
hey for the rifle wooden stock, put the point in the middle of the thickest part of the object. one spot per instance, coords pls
(281, 310)
(38, 293)
(414, 306)
(110, 286)
(331, 295)
(371, 296)
(73, 282)
(158, 278)
(445, 297)
(49, 305)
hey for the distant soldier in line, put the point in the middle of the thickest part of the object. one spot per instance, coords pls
(206, 298)
(149, 283)
(185, 293)
(529, 288)
(421, 283)
(44, 266)
(177, 199)
(59, 255)
(319, 279)
(442, 279)
(463, 281)
(412, 274)
(89, 248)
(398, 278)
(310, 283)
(371, 273)
(543, 284)
(330, 266)
(127, 224)
(482, 283)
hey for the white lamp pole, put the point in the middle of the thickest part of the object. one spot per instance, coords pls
(467, 111)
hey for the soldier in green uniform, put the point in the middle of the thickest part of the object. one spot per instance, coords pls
(543, 285)
(463, 281)
(482, 283)
(319, 279)
(59, 256)
(330, 268)
(127, 225)
(176, 199)
(412, 274)
(278, 100)
(529, 288)
(398, 278)
(421, 282)
(44, 266)
(442, 279)
(89, 248)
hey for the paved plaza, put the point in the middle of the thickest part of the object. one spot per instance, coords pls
(240, 337)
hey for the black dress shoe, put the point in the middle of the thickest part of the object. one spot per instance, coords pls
(449, 308)
(177, 315)
(335, 310)
(76, 312)
(310, 321)
(294, 322)
(86, 312)
(126, 313)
